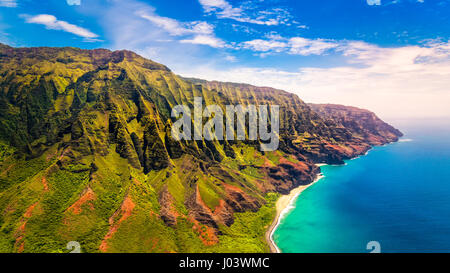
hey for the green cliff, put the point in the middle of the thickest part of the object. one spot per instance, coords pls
(86, 155)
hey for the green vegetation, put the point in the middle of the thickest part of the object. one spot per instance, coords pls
(86, 155)
(247, 234)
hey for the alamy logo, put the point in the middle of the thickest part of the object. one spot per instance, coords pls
(258, 122)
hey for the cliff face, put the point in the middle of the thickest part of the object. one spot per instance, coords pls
(361, 123)
(86, 154)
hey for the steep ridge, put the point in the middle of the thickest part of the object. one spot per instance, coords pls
(95, 125)
(361, 123)
(323, 133)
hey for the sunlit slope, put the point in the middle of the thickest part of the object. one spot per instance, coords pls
(86, 155)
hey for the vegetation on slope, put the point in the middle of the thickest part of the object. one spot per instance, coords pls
(86, 155)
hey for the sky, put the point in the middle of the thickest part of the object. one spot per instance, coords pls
(388, 56)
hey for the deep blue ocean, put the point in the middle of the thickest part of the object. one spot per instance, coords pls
(397, 195)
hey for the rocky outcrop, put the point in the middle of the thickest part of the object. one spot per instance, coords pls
(288, 175)
(235, 200)
(167, 213)
(360, 122)
(239, 201)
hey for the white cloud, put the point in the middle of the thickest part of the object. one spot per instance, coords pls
(265, 45)
(172, 26)
(201, 33)
(176, 28)
(246, 13)
(231, 58)
(302, 46)
(205, 40)
(410, 81)
(294, 45)
(373, 2)
(51, 22)
(74, 2)
(8, 3)
(174, 44)
(222, 7)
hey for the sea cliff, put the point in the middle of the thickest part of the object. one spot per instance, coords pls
(86, 154)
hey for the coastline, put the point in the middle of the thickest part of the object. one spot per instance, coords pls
(284, 205)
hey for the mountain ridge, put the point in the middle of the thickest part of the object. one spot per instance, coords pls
(87, 155)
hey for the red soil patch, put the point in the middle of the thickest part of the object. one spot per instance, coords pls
(267, 163)
(137, 182)
(151, 244)
(88, 196)
(220, 208)
(21, 229)
(229, 187)
(342, 150)
(44, 183)
(206, 234)
(20, 244)
(155, 243)
(358, 149)
(350, 150)
(300, 166)
(29, 212)
(261, 185)
(174, 211)
(375, 140)
(125, 210)
(154, 214)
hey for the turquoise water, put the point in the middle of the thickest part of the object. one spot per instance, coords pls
(398, 195)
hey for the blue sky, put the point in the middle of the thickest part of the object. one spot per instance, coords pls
(386, 55)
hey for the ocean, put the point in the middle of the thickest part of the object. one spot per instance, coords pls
(397, 196)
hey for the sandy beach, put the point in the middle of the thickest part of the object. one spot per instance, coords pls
(283, 205)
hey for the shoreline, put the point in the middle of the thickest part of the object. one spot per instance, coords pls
(285, 203)
(283, 206)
